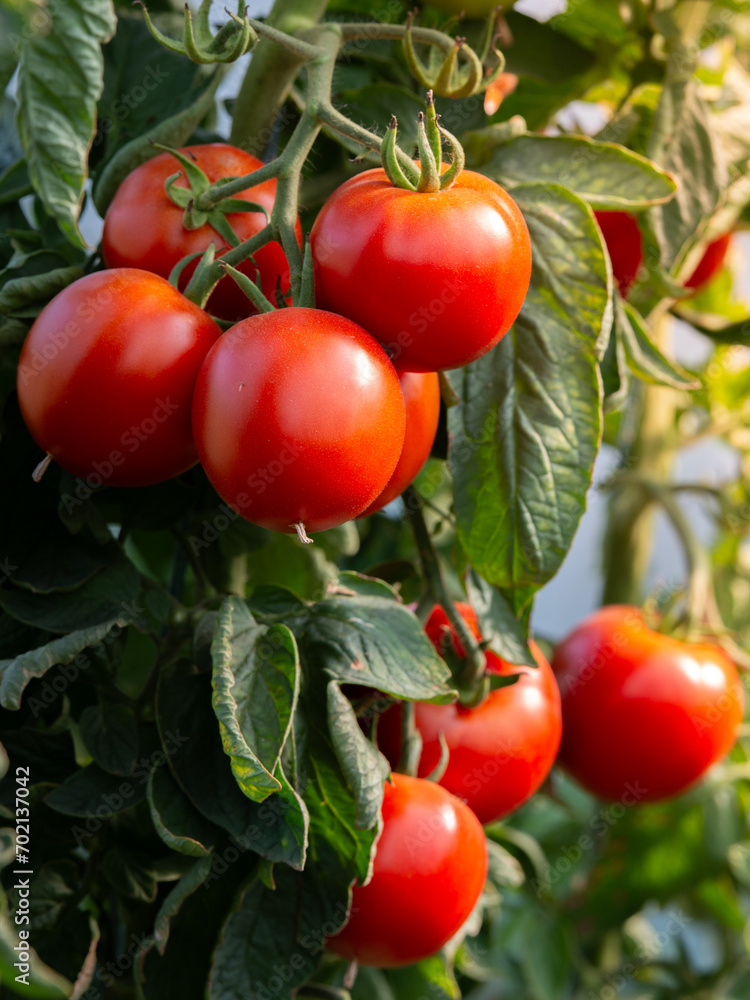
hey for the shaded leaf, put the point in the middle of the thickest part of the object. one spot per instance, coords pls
(644, 359)
(527, 429)
(256, 686)
(171, 906)
(64, 61)
(92, 792)
(110, 733)
(497, 624)
(177, 822)
(363, 765)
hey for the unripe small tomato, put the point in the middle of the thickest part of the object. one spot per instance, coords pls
(421, 392)
(644, 715)
(298, 418)
(429, 870)
(106, 377)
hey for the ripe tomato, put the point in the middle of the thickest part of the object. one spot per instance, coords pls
(644, 714)
(106, 377)
(625, 246)
(501, 750)
(143, 228)
(436, 278)
(421, 392)
(429, 870)
(298, 417)
(710, 264)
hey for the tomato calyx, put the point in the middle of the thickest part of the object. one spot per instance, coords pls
(231, 41)
(454, 77)
(428, 175)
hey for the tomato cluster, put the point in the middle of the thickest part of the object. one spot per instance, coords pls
(300, 417)
(624, 242)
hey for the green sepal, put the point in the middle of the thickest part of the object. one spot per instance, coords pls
(429, 178)
(231, 41)
(393, 170)
(307, 285)
(247, 286)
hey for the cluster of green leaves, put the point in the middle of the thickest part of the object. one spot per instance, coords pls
(202, 794)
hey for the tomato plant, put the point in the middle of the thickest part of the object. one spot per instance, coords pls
(421, 393)
(109, 398)
(143, 226)
(501, 750)
(194, 703)
(317, 419)
(642, 710)
(430, 867)
(395, 261)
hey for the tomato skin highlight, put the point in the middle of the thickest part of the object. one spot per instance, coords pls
(298, 416)
(710, 263)
(106, 377)
(437, 278)
(143, 228)
(421, 391)
(429, 870)
(624, 244)
(500, 750)
(644, 715)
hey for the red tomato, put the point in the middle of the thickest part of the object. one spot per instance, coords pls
(106, 377)
(421, 392)
(298, 417)
(429, 870)
(143, 227)
(436, 278)
(710, 264)
(501, 750)
(625, 246)
(644, 715)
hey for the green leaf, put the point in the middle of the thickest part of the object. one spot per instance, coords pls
(109, 596)
(16, 673)
(92, 792)
(430, 978)
(644, 359)
(110, 733)
(547, 958)
(53, 889)
(256, 679)
(498, 625)
(177, 822)
(528, 427)
(277, 828)
(604, 174)
(171, 906)
(129, 874)
(363, 764)
(60, 79)
(35, 291)
(683, 143)
(374, 641)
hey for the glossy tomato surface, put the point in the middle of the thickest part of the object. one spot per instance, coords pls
(143, 227)
(298, 416)
(710, 263)
(500, 750)
(421, 391)
(437, 278)
(644, 715)
(625, 246)
(429, 870)
(106, 377)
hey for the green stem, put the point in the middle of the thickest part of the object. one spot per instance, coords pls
(396, 32)
(271, 73)
(469, 678)
(411, 741)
